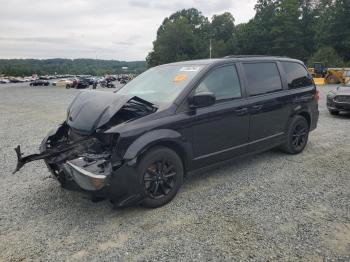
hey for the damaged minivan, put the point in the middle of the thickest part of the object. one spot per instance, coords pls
(136, 144)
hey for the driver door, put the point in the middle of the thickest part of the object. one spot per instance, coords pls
(220, 131)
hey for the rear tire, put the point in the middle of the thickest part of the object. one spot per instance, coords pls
(297, 136)
(161, 174)
(67, 86)
(334, 112)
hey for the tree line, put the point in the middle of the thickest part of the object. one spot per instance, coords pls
(309, 30)
(27, 67)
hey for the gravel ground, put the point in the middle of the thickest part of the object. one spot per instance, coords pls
(270, 206)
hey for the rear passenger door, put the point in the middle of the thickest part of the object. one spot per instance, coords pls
(268, 107)
(301, 90)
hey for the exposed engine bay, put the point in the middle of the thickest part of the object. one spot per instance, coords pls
(79, 149)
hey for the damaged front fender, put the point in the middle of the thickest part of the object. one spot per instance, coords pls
(82, 155)
(88, 116)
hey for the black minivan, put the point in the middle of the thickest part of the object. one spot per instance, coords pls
(135, 145)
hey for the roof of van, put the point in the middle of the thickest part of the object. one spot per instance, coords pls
(235, 58)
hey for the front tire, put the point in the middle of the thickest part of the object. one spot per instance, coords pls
(297, 136)
(161, 175)
(334, 112)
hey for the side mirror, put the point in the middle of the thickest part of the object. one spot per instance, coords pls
(202, 99)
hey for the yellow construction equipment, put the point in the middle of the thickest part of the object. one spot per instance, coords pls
(335, 76)
(319, 81)
(323, 75)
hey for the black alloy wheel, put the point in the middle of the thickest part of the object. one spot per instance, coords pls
(300, 134)
(161, 174)
(296, 136)
(160, 179)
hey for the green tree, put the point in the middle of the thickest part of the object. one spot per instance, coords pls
(286, 30)
(332, 29)
(308, 24)
(25, 67)
(183, 35)
(176, 42)
(340, 28)
(223, 35)
(326, 55)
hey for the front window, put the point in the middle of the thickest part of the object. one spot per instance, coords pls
(223, 82)
(161, 84)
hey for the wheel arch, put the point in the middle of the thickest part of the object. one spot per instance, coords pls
(162, 137)
(306, 115)
(176, 147)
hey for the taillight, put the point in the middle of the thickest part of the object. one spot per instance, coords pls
(317, 96)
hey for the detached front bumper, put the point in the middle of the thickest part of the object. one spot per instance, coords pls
(122, 185)
(98, 177)
(83, 177)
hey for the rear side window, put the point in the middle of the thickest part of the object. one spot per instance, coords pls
(262, 78)
(297, 76)
(223, 82)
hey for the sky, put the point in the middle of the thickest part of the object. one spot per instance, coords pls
(100, 29)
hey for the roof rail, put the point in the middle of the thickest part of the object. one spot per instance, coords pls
(247, 56)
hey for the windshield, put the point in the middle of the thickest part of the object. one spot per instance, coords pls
(161, 84)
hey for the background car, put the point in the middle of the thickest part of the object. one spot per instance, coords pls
(39, 82)
(4, 81)
(63, 83)
(338, 100)
(79, 83)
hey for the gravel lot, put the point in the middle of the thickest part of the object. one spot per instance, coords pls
(270, 206)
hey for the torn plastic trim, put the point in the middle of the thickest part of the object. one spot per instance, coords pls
(63, 149)
(49, 153)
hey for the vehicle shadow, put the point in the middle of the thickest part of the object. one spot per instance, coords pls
(232, 166)
(345, 115)
(76, 205)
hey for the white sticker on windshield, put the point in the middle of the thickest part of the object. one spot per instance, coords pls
(189, 69)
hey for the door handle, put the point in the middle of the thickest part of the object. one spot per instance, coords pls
(256, 108)
(241, 111)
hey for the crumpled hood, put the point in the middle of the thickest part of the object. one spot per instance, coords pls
(92, 109)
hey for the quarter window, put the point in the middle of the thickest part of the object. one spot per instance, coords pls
(223, 82)
(262, 78)
(297, 76)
